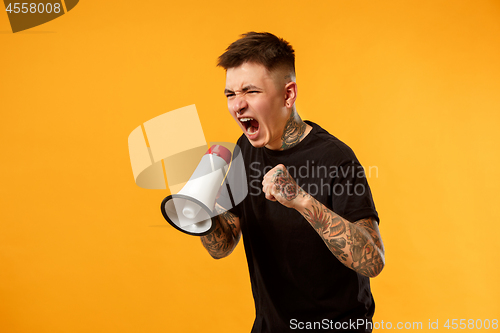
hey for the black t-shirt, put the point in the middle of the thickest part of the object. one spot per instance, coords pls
(297, 283)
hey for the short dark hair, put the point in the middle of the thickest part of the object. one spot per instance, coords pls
(262, 48)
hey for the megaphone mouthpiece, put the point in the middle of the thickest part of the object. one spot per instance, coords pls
(220, 151)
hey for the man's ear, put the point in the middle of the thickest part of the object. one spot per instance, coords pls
(290, 94)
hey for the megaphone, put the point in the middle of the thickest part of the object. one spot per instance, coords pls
(190, 210)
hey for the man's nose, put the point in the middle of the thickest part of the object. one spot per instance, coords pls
(239, 104)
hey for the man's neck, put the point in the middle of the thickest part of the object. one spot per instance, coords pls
(295, 131)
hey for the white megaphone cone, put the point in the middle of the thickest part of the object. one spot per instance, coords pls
(190, 210)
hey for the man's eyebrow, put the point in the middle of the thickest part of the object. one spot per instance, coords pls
(250, 87)
(244, 89)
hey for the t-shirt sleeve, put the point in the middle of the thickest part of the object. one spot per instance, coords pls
(351, 194)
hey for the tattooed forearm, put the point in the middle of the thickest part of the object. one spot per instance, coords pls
(337, 245)
(229, 218)
(218, 242)
(357, 245)
(293, 132)
(366, 258)
(223, 239)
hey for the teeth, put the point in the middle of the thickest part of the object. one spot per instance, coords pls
(248, 128)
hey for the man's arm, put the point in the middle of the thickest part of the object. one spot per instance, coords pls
(225, 236)
(357, 245)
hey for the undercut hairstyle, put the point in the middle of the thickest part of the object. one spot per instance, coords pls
(262, 48)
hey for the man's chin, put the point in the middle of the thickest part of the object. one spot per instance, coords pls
(261, 144)
(257, 143)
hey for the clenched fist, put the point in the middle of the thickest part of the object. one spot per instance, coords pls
(279, 186)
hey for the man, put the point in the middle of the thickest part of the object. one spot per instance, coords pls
(310, 227)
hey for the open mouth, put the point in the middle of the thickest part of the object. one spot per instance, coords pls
(251, 125)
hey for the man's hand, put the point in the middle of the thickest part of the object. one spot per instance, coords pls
(279, 186)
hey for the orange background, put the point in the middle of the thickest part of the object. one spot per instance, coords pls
(412, 86)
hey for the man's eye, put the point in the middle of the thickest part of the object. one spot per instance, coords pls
(253, 91)
(229, 95)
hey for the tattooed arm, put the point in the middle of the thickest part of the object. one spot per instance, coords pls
(225, 236)
(357, 245)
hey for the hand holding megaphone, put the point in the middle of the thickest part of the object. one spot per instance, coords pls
(191, 210)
